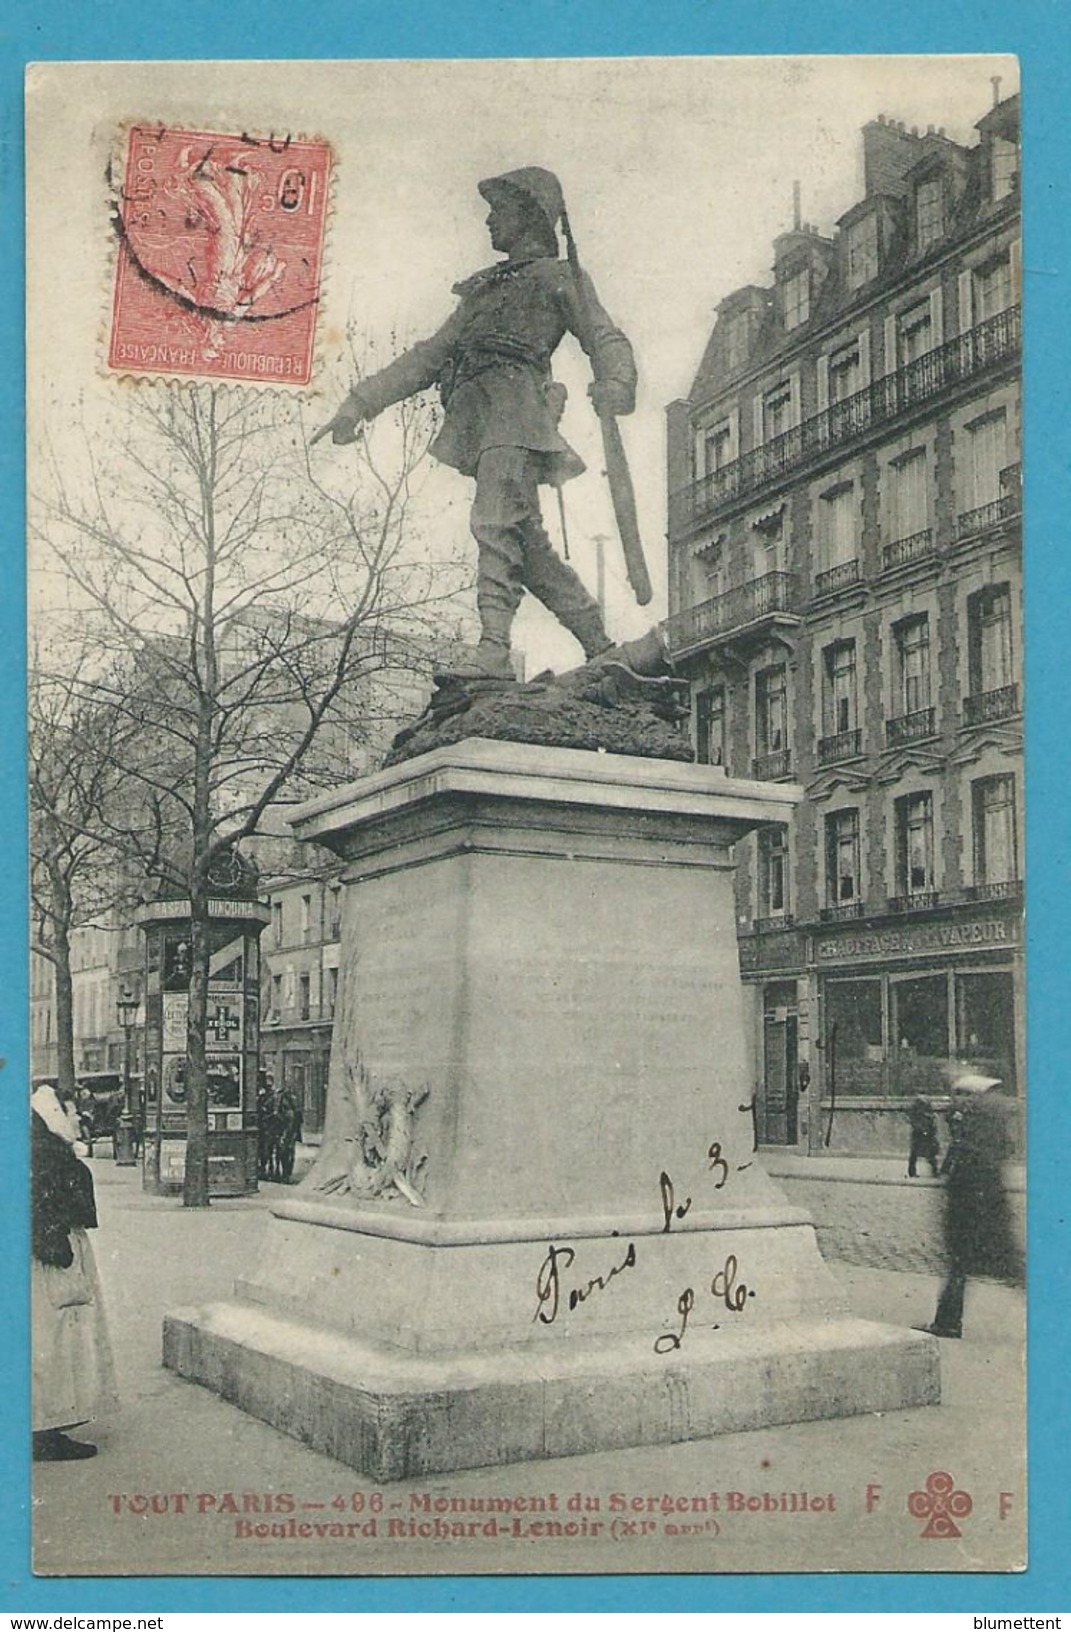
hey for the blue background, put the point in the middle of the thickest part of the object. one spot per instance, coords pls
(1040, 32)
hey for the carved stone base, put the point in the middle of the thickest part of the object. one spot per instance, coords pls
(540, 1032)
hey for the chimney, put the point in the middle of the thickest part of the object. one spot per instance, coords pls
(796, 206)
(995, 82)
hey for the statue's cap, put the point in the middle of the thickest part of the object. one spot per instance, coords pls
(539, 187)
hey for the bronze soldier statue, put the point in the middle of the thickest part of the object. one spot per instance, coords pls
(491, 361)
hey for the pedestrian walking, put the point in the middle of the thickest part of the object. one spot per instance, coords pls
(924, 1143)
(73, 1371)
(979, 1235)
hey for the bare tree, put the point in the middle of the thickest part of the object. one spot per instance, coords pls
(247, 601)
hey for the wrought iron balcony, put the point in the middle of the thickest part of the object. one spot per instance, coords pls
(917, 901)
(773, 596)
(1008, 889)
(911, 727)
(980, 707)
(843, 745)
(981, 348)
(913, 548)
(842, 911)
(768, 926)
(770, 767)
(838, 577)
(985, 517)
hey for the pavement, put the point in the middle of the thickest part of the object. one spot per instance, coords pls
(183, 1480)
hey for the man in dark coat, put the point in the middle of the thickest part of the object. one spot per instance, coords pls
(491, 362)
(923, 1125)
(979, 1234)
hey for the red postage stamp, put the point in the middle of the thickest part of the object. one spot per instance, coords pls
(220, 257)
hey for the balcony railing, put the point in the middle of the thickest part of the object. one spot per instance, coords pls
(843, 910)
(917, 901)
(838, 577)
(910, 727)
(980, 707)
(913, 548)
(1008, 889)
(769, 926)
(769, 767)
(960, 359)
(984, 517)
(844, 745)
(750, 603)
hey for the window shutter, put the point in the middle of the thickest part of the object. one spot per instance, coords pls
(822, 383)
(795, 399)
(864, 357)
(1015, 252)
(757, 426)
(734, 434)
(891, 358)
(966, 302)
(937, 317)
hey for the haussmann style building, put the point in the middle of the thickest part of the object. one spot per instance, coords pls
(845, 573)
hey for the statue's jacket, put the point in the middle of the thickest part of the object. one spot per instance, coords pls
(491, 362)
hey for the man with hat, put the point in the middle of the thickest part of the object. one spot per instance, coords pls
(491, 361)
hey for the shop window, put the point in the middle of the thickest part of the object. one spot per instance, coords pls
(985, 1024)
(918, 1009)
(914, 845)
(771, 711)
(853, 1037)
(839, 710)
(912, 641)
(862, 251)
(773, 871)
(842, 858)
(993, 799)
(989, 639)
(710, 726)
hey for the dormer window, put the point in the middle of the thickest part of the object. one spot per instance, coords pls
(1004, 167)
(796, 298)
(736, 337)
(862, 251)
(929, 213)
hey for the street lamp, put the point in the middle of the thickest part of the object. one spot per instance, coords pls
(125, 1134)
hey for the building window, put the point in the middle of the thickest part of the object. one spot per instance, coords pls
(277, 922)
(736, 337)
(304, 997)
(989, 639)
(991, 288)
(1004, 158)
(306, 919)
(842, 858)
(773, 871)
(839, 711)
(276, 995)
(862, 251)
(776, 412)
(845, 372)
(909, 495)
(987, 456)
(837, 527)
(771, 711)
(994, 830)
(334, 915)
(914, 332)
(710, 726)
(715, 448)
(912, 637)
(332, 992)
(767, 544)
(796, 296)
(914, 844)
(929, 212)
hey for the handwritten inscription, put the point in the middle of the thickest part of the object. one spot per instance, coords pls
(550, 1292)
(724, 1285)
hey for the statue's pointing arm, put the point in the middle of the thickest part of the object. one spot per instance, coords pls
(614, 387)
(415, 370)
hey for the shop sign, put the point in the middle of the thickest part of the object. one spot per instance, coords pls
(917, 939)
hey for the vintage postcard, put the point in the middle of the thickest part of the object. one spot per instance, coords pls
(526, 750)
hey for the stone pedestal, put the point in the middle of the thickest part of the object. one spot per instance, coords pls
(538, 1225)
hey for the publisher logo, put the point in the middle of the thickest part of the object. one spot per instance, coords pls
(940, 1504)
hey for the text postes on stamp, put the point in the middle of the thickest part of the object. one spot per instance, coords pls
(220, 257)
